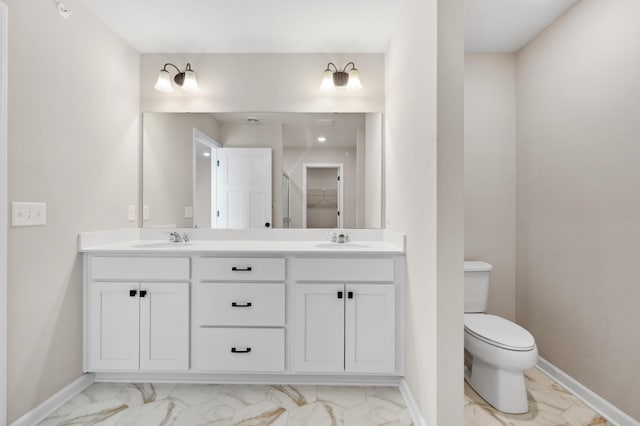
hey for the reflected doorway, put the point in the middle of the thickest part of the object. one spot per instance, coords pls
(322, 196)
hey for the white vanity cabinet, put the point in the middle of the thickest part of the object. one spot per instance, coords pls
(345, 316)
(287, 311)
(134, 319)
(239, 315)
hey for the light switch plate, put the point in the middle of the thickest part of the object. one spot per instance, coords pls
(28, 214)
(131, 213)
(145, 213)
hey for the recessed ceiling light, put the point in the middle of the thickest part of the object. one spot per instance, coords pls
(322, 139)
(206, 154)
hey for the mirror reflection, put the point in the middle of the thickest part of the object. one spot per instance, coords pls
(262, 170)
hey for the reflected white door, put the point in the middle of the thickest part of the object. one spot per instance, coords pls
(244, 188)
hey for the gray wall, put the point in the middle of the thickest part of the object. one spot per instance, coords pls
(424, 196)
(74, 132)
(490, 173)
(167, 176)
(578, 197)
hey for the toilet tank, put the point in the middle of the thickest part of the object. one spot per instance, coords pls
(476, 286)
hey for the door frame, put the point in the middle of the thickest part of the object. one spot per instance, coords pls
(340, 167)
(4, 12)
(201, 137)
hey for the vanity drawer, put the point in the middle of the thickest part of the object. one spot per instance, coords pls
(243, 304)
(240, 349)
(344, 269)
(140, 268)
(242, 269)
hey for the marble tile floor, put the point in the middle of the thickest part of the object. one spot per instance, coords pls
(111, 404)
(549, 405)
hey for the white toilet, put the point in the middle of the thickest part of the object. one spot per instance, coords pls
(501, 350)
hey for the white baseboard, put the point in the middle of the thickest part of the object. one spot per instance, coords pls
(593, 400)
(56, 401)
(240, 379)
(416, 415)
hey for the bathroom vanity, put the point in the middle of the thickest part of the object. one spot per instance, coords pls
(244, 306)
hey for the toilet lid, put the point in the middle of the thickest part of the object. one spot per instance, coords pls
(498, 332)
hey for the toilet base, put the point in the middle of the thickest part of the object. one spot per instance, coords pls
(505, 390)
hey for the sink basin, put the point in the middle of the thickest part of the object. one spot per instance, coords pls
(339, 246)
(161, 244)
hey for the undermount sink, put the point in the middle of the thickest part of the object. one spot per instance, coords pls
(339, 246)
(160, 244)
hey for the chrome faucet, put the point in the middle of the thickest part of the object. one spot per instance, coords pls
(340, 237)
(175, 237)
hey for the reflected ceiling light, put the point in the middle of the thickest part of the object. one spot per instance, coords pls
(322, 139)
(206, 154)
(332, 78)
(185, 79)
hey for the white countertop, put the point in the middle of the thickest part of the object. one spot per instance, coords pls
(142, 241)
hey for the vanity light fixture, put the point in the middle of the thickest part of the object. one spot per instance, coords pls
(185, 79)
(336, 78)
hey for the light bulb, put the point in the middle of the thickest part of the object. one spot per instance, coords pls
(327, 81)
(190, 84)
(164, 82)
(354, 81)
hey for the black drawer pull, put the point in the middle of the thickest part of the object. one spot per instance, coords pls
(237, 351)
(350, 295)
(236, 269)
(132, 293)
(143, 293)
(246, 305)
(339, 295)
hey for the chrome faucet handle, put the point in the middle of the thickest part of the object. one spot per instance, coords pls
(175, 237)
(186, 237)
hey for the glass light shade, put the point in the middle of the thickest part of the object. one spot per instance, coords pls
(327, 81)
(190, 84)
(164, 82)
(354, 80)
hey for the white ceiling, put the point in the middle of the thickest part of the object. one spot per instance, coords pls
(308, 26)
(301, 130)
(251, 26)
(505, 26)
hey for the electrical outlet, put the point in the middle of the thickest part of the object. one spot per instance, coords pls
(28, 214)
(131, 213)
(188, 212)
(145, 212)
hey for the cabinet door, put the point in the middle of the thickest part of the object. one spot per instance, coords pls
(164, 326)
(319, 328)
(370, 324)
(113, 326)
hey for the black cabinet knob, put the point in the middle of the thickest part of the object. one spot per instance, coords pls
(241, 305)
(143, 293)
(350, 295)
(339, 295)
(240, 351)
(132, 293)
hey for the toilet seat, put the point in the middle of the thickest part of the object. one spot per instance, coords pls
(499, 332)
